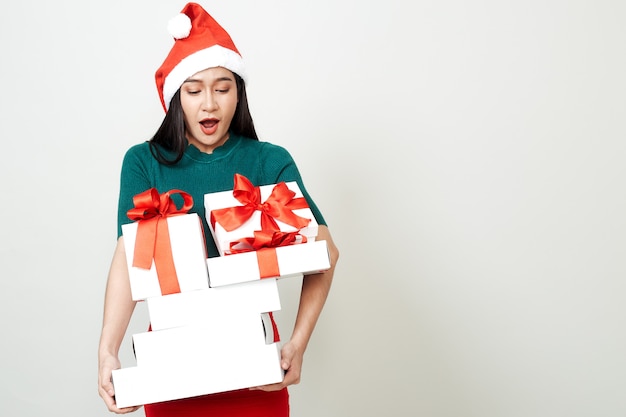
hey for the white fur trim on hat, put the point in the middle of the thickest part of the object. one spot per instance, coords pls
(214, 56)
(179, 26)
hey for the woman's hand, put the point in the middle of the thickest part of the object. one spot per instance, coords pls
(291, 362)
(105, 385)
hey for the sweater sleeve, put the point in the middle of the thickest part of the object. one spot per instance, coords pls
(134, 179)
(279, 166)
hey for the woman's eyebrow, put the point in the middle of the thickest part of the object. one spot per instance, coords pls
(196, 80)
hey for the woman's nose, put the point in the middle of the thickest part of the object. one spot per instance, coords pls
(209, 102)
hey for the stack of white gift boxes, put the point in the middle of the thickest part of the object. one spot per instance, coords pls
(213, 332)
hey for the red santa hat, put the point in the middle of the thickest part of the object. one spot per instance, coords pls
(200, 43)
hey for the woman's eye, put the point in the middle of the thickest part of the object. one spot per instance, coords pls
(193, 92)
(222, 91)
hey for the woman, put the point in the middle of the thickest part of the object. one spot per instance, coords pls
(206, 137)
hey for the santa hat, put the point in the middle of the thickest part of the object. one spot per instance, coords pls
(200, 43)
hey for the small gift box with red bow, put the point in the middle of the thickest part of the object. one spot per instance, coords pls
(165, 248)
(268, 255)
(237, 214)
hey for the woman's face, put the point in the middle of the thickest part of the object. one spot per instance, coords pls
(209, 100)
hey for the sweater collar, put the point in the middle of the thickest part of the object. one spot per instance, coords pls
(221, 151)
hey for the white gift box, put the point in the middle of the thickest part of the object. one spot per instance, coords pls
(236, 331)
(187, 362)
(197, 307)
(292, 260)
(225, 199)
(188, 252)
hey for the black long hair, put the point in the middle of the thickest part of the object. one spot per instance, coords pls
(171, 134)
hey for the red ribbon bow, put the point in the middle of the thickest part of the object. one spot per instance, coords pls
(153, 238)
(279, 206)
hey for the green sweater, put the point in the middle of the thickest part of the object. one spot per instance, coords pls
(198, 173)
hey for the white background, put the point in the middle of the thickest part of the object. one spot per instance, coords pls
(468, 156)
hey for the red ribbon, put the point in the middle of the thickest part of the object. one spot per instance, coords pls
(153, 238)
(274, 328)
(264, 244)
(264, 239)
(279, 206)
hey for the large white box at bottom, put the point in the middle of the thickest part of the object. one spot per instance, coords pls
(211, 373)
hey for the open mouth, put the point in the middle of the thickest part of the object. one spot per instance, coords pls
(209, 126)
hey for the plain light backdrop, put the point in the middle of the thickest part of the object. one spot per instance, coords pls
(468, 156)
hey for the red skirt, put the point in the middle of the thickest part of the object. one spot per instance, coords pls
(240, 403)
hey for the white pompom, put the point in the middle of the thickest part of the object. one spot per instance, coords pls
(179, 26)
